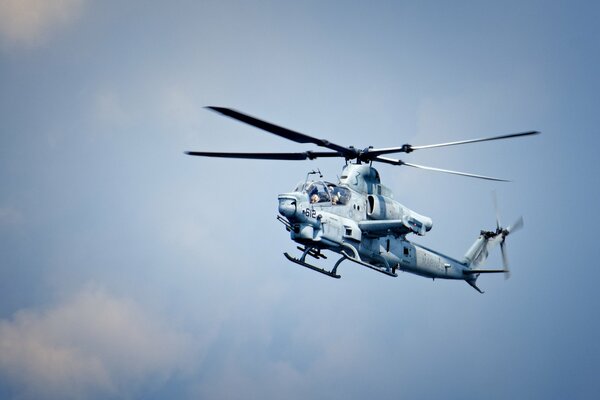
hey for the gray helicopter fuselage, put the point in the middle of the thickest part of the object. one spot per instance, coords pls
(359, 217)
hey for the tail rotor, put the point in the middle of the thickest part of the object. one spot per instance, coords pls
(504, 232)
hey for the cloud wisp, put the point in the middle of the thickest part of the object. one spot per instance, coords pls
(92, 345)
(29, 22)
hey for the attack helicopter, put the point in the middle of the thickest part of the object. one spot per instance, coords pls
(358, 218)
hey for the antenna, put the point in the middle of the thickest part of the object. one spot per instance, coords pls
(313, 172)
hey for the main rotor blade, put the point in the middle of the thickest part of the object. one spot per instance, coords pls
(281, 131)
(489, 178)
(400, 162)
(407, 148)
(310, 155)
(511, 135)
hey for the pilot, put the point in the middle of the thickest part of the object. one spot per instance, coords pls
(335, 199)
(314, 198)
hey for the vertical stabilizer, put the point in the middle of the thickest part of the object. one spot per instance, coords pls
(479, 251)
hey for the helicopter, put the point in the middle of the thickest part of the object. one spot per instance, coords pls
(358, 218)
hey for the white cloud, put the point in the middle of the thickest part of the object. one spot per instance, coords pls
(93, 345)
(29, 22)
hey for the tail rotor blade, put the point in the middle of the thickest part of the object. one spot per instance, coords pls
(518, 224)
(495, 200)
(504, 261)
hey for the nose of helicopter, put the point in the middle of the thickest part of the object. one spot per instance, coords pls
(288, 204)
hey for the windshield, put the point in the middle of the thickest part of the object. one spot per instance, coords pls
(317, 192)
(324, 192)
(339, 195)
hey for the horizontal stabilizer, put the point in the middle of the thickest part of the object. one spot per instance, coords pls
(484, 271)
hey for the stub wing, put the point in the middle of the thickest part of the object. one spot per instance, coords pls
(384, 228)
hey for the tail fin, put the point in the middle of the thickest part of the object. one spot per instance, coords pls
(479, 251)
(477, 254)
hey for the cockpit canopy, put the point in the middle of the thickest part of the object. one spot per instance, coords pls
(324, 192)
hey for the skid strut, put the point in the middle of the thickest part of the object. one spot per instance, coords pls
(349, 253)
(383, 270)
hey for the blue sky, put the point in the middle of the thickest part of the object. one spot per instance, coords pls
(130, 270)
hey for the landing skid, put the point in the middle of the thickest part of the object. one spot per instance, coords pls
(300, 261)
(345, 256)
